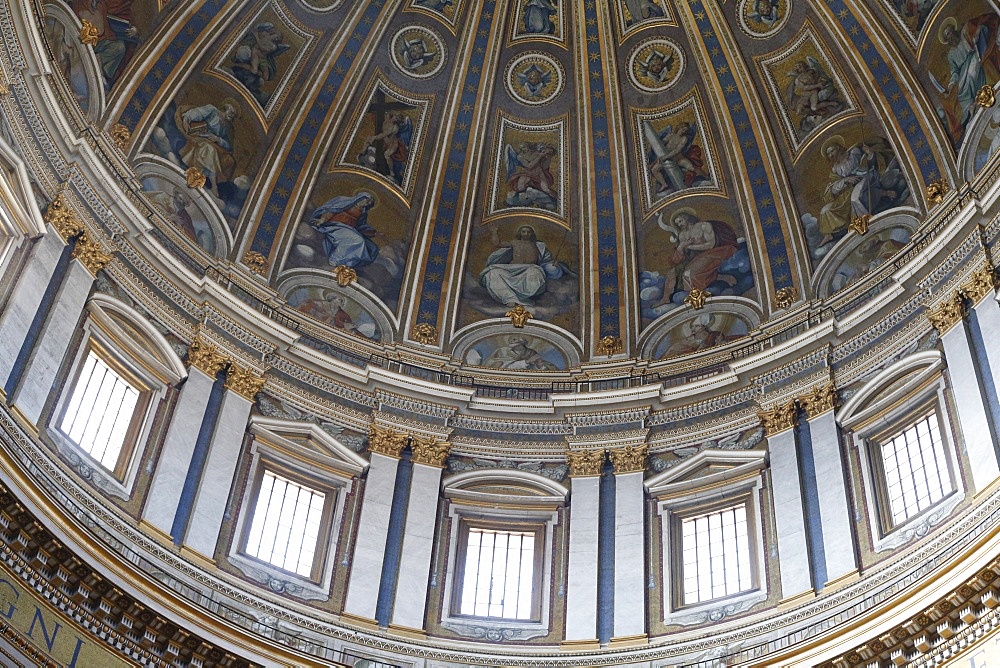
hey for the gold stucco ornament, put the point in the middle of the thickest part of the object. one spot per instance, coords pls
(859, 224)
(696, 298)
(986, 98)
(519, 316)
(205, 357)
(60, 216)
(344, 275)
(780, 418)
(785, 297)
(385, 441)
(585, 463)
(244, 382)
(429, 451)
(610, 345)
(121, 135)
(981, 284)
(821, 400)
(425, 333)
(90, 254)
(195, 178)
(948, 313)
(936, 190)
(629, 459)
(89, 34)
(255, 262)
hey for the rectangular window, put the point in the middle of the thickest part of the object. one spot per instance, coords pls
(500, 569)
(286, 526)
(101, 416)
(915, 469)
(716, 555)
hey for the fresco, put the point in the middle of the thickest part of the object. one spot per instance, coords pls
(122, 26)
(349, 224)
(699, 332)
(335, 308)
(762, 18)
(534, 78)
(519, 351)
(204, 127)
(69, 54)
(850, 174)
(872, 250)
(655, 64)
(386, 137)
(175, 203)
(418, 52)
(989, 140)
(637, 14)
(962, 58)
(538, 18)
(912, 14)
(264, 57)
(445, 9)
(530, 168)
(805, 87)
(700, 246)
(523, 261)
(676, 153)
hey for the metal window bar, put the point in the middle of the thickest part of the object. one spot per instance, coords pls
(499, 574)
(716, 555)
(99, 412)
(286, 521)
(915, 469)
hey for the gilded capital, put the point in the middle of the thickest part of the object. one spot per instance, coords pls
(821, 400)
(982, 283)
(629, 459)
(205, 357)
(90, 254)
(429, 451)
(244, 382)
(63, 218)
(584, 463)
(780, 418)
(385, 441)
(948, 313)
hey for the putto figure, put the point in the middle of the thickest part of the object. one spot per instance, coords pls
(255, 59)
(675, 159)
(415, 54)
(347, 236)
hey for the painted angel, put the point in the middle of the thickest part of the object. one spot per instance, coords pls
(534, 80)
(812, 94)
(657, 66)
(675, 161)
(529, 175)
(416, 55)
(396, 134)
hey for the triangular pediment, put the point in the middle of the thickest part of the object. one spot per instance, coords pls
(307, 441)
(707, 467)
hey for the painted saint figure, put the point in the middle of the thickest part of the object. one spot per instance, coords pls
(701, 247)
(517, 272)
(254, 62)
(395, 136)
(538, 17)
(209, 133)
(347, 236)
(973, 60)
(115, 33)
(641, 10)
(864, 179)
(529, 176)
(697, 334)
(517, 354)
(812, 93)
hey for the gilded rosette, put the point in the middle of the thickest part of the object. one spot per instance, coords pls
(425, 334)
(630, 458)
(429, 451)
(121, 135)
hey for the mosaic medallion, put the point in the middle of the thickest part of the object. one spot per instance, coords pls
(418, 52)
(534, 78)
(763, 18)
(655, 64)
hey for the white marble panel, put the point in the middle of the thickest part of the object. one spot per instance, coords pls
(581, 571)
(26, 297)
(630, 562)
(971, 407)
(373, 527)
(178, 447)
(220, 468)
(789, 514)
(418, 545)
(834, 509)
(58, 331)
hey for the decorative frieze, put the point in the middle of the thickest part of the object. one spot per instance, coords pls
(205, 357)
(629, 459)
(244, 381)
(948, 313)
(90, 254)
(583, 463)
(385, 441)
(981, 284)
(780, 418)
(821, 400)
(429, 451)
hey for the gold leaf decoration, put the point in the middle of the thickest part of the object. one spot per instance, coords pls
(344, 275)
(630, 458)
(205, 357)
(255, 262)
(936, 190)
(429, 451)
(859, 224)
(948, 313)
(985, 97)
(89, 34)
(610, 345)
(585, 463)
(63, 218)
(90, 254)
(244, 382)
(820, 400)
(696, 298)
(780, 418)
(425, 334)
(982, 283)
(785, 297)
(121, 135)
(519, 316)
(385, 441)
(195, 178)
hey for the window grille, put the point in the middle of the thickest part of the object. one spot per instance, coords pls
(286, 524)
(499, 574)
(100, 412)
(717, 557)
(915, 468)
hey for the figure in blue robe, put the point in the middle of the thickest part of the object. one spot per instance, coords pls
(347, 236)
(538, 17)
